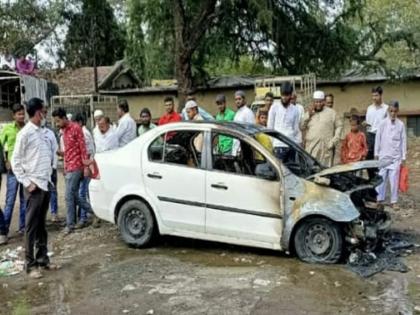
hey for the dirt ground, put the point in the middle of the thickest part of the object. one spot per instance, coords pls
(101, 275)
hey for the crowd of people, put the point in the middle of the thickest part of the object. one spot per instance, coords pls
(31, 151)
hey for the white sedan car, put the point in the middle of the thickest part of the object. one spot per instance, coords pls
(221, 182)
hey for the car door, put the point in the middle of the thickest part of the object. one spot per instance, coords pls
(175, 179)
(243, 200)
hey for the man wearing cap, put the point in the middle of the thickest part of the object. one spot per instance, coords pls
(191, 109)
(284, 118)
(224, 114)
(323, 130)
(243, 115)
(97, 115)
(106, 139)
(391, 151)
(205, 115)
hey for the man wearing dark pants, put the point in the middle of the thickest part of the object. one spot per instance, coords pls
(375, 114)
(13, 187)
(75, 165)
(32, 165)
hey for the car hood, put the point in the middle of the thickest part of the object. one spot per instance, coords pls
(346, 168)
(345, 178)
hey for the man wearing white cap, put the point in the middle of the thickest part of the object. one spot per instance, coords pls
(243, 115)
(191, 109)
(323, 130)
(97, 115)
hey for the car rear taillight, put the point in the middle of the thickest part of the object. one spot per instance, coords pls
(94, 170)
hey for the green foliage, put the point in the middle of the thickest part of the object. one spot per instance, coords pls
(389, 37)
(93, 34)
(23, 24)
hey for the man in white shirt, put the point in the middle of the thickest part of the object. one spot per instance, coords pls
(106, 139)
(301, 111)
(53, 189)
(127, 128)
(284, 118)
(32, 164)
(376, 112)
(243, 115)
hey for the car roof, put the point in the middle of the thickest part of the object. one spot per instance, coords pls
(249, 129)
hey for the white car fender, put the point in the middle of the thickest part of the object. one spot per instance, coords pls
(136, 191)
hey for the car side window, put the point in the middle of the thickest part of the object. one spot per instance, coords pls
(243, 159)
(180, 147)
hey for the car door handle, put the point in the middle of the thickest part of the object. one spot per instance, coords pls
(219, 186)
(155, 176)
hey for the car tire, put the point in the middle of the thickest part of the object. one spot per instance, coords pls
(136, 223)
(319, 240)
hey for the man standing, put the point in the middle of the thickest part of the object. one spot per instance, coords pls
(106, 139)
(224, 114)
(375, 114)
(84, 185)
(75, 165)
(284, 118)
(127, 128)
(329, 100)
(301, 111)
(170, 114)
(191, 108)
(268, 101)
(244, 114)
(53, 188)
(390, 150)
(32, 164)
(146, 122)
(323, 130)
(204, 114)
(8, 140)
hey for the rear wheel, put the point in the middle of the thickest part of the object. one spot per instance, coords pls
(319, 240)
(136, 223)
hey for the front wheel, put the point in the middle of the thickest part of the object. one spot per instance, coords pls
(319, 240)
(136, 223)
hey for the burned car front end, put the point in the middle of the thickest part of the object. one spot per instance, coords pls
(321, 202)
(374, 222)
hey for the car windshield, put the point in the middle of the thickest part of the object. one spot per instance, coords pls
(294, 157)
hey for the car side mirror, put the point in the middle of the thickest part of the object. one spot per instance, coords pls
(265, 171)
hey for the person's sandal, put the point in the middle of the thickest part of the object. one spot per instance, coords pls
(51, 267)
(35, 274)
(395, 207)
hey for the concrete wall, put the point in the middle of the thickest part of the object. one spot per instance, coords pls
(359, 95)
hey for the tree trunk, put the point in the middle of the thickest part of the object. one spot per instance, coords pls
(188, 35)
(184, 79)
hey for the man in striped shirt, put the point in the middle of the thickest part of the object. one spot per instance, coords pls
(32, 162)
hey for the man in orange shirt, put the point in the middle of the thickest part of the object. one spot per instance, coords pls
(354, 147)
(170, 114)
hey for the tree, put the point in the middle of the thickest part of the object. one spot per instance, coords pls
(24, 24)
(94, 37)
(389, 36)
(179, 33)
(201, 38)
